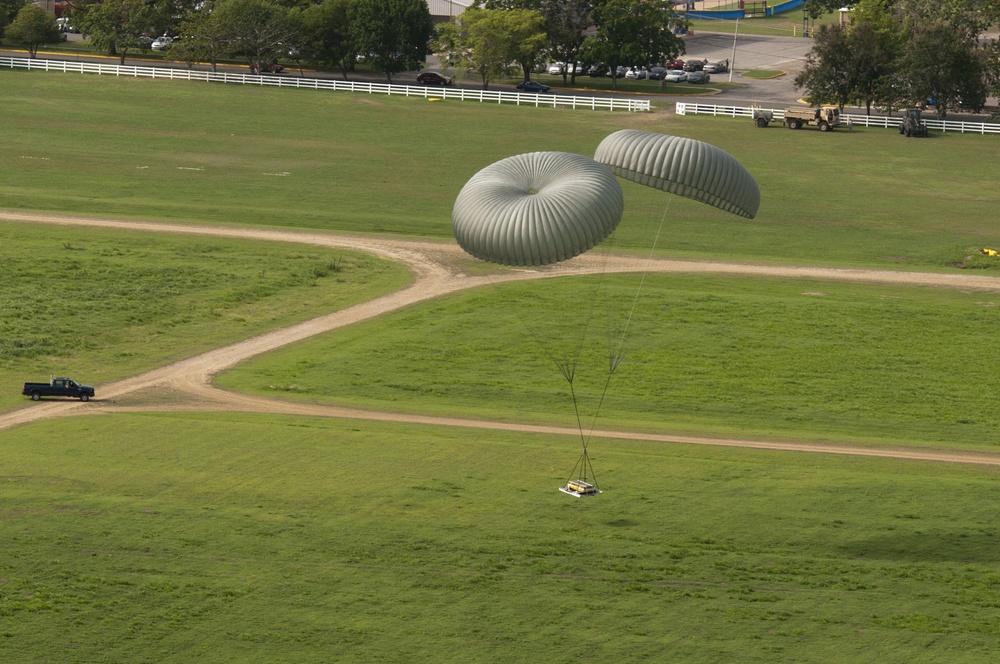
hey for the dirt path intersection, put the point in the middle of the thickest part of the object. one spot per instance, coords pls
(187, 385)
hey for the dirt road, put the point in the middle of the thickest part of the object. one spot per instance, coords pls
(437, 269)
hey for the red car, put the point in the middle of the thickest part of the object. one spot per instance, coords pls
(676, 63)
(433, 78)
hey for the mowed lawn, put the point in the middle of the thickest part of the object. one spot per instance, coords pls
(236, 537)
(202, 152)
(719, 355)
(239, 537)
(100, 305)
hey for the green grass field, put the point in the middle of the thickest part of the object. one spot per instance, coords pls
(366, 163)
(730, 356)
(240, 537)
(100, 305)
(218, 538)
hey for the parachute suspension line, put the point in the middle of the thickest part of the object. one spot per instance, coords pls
(583, 485)
(616, 353)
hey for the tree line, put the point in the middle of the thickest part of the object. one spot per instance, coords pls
(904, 53)
(492, 39)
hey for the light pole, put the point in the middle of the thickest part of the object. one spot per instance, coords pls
(732, 63)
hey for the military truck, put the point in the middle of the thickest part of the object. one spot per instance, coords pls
(912, 124)
(826, 118)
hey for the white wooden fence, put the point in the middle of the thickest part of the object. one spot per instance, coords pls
(286, 81)
(888, 122)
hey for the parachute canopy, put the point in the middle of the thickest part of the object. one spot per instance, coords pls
(537, 208)
(681, 166)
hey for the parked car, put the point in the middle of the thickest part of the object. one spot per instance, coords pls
(698, 76)
(556, 68)
(716, 67)
(597, 70)
(675, 76)
(266, 68)
(532, 86)
(65, 25)
(676, 63)
(694, 65)
(656, 73)
(433, 78)
(162, 43)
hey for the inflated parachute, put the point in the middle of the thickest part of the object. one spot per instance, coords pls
(537, 208)
(681, 166)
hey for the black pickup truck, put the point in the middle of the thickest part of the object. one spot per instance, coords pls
(58, 387)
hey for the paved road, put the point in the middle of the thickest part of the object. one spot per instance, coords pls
(785, 54)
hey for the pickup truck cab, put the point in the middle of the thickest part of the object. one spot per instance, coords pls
(58, 387)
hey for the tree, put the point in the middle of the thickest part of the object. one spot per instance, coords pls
(8, 10)
(945, 57)
(33, 27)
(904, 52)
(204, 37)
(121, 26)
(487, 41)
(827, 74)
(257, 30)
(528, 53)
(527, 34)
(327, 35)
(940, 65)
(393, 34)
(565, 22)
(631, 32)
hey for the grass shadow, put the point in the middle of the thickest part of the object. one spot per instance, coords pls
(929, 547)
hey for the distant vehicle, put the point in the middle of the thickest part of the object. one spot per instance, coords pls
(636, 73)
(675, 76)
(676, 63)
(532, 86)
(266, 68)
(656, 73)
(912, 124)
(826, 118)
(698, 76)
(762, 117)
(65, 25)
(433, 78)
(694, 65)
(162, 43)
(556, 68)
(716, 67)
(58, 387)
(597, 70)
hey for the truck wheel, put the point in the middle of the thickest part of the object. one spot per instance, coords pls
(84, 397)
(793, 124)
(761, 122)
(35, 396)
(824, 126)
